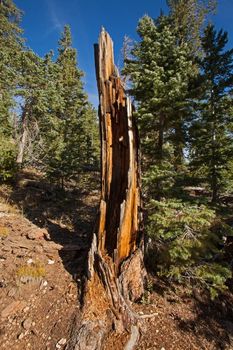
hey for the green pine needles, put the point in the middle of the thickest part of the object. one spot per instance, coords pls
(187, 244)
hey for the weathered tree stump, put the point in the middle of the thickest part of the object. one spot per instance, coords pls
(115, 272)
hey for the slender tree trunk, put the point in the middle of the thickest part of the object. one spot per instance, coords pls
(23, 139)
(161, 138)
(214, 178)
(115, 272)
(160, 153)
(179, 145)
(214, 187)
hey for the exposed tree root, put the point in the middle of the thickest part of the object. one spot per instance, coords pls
(133, 340)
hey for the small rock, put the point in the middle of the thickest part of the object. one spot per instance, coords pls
(6, 249)
(27, 323)
(46, 235)
(12, 292)
(20, 336)
(62, 341)
(51, 262)
(14, 322)
(43, 284)
(35, 234)
(12, 308)
(38, 249)
(2, 284)
(26, 309)
(29, 261)
(35, 332)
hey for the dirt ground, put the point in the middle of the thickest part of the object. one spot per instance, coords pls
(44, 239)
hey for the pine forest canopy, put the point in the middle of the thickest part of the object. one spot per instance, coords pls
(44, 109)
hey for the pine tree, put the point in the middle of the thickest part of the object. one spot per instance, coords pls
(33, 100)
(69, 136)
(188, 20)
(11, 44)
(188, 17)
(160, 74)
(10, 48)
(212, 143)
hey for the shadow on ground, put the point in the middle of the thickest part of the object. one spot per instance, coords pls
(213, 320)
(69, 215)
(210, 319)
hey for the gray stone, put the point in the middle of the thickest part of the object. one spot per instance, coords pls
(20, 336)
(27, 323)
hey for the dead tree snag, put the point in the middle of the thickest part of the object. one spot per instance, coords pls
(120, 197)
(115, 263)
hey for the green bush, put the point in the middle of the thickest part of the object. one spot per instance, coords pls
(187, 244)
(7, 158)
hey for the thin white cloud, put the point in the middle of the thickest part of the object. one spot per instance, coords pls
(57, 23)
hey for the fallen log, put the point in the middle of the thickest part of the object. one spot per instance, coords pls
(115, 269)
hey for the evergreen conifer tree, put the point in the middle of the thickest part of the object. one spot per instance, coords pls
(160, 74)
(11, 44)
(10, 47)
(212, 143)
(33, 102)
(188, 17)
(69, 136)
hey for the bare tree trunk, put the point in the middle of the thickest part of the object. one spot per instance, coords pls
(23, 140)
(214, 184)
(115, 263)
(161, 138)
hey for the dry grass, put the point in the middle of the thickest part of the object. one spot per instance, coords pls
(34, 270)
(5, 205)
(8, 208)
(4, 231)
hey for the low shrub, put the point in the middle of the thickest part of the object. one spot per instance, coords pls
(8, 165)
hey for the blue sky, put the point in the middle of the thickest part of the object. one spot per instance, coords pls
(44, 20)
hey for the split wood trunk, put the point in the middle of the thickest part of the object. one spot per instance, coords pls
(120, 196)
(115, 276)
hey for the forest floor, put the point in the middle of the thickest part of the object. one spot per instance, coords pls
(44, 239)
